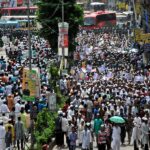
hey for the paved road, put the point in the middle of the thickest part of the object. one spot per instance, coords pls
(126, 147)
(122, 148)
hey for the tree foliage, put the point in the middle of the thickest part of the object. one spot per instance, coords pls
(44, 127)
(49, 15)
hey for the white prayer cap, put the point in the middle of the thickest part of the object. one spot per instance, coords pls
(1, 122)
(88, 124)
(60, 112)
(144, 118)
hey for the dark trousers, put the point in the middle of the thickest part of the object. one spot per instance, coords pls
(108, 143)
(18, 144)
(101, 146)
(129, 132)
(59, 137)
(135, 146)
(72, 147)
(68, 141)
(146, 147)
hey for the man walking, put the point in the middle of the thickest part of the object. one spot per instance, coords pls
(19, 133)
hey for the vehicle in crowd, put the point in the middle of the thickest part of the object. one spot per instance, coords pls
(18, 11)
(17, 24)
(97, 6)
(130, 17)
(99, 19)
(17, 17)
(121, 20)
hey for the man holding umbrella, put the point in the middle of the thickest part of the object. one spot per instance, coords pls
(116, 137)
(116, 132)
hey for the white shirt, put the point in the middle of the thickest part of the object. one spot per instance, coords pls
(4, 108)
(17, 108)
(2, 137)
(116, 133)
(86, 139)
(70, 113)
(64, 124)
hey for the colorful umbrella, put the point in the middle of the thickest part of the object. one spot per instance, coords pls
(117, 119)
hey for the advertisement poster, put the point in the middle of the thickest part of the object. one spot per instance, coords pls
(51, 101)
(30, 84)
(63, 39)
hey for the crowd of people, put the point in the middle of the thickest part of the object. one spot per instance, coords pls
(15, 113)
(107, 79)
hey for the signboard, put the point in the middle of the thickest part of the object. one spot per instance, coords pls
(138, 7)
(63, 39)
(31, 84)
(121, 5)
(137, 34)
(145, 38)
(51, 101)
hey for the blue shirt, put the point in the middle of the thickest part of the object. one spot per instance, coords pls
(73, 138)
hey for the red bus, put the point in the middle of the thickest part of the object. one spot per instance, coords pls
(99, 19)
(18, 11)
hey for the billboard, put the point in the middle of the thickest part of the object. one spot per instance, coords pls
(30, 84)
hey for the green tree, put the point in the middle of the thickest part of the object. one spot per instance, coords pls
(49, 15)
(44, 127)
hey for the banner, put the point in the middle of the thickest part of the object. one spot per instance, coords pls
(51, 101)
(145, 38)
(137, 34)
(138, 8)
(63, 39)
(30, 84)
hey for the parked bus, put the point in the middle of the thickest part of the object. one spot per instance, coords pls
(17, 17)
(97, 20)
(18, 11)
(96, 6)
(20, 15)
(8, 24)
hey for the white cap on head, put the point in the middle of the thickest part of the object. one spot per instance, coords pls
(60, 112)
(144, 118)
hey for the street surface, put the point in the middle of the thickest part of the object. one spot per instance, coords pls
(124, 147)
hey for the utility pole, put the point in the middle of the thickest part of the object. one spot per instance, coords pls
(29, 35)
(30, 68)
(63, 34)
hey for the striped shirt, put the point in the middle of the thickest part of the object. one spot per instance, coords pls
(102, 137)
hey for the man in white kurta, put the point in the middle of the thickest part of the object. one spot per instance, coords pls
(2, 136)
(86, 138)
(116, 138)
